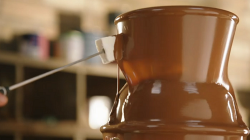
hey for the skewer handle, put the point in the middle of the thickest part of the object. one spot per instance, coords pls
(4, 90)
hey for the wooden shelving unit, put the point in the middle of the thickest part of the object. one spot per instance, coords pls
(38, 128)
(95, 70)
(26, 99)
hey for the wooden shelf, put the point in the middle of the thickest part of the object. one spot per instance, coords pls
(76, 129)
(109, 70)
(60, 129)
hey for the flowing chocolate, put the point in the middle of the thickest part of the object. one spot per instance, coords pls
(175, 59)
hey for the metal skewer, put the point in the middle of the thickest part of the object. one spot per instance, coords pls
(5, 90)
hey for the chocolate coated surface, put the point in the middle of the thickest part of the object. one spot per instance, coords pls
(175, 62)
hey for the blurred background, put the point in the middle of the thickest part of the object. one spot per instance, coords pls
(40, 35)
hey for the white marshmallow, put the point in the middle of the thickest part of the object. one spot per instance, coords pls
(106, 44)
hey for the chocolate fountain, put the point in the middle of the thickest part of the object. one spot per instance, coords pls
(175, 60)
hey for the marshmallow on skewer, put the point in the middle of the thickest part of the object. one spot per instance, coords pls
(106, 44)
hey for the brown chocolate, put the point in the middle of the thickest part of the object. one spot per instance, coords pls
(175, 59)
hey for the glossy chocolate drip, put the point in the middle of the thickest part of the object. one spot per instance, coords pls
(175, 62)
